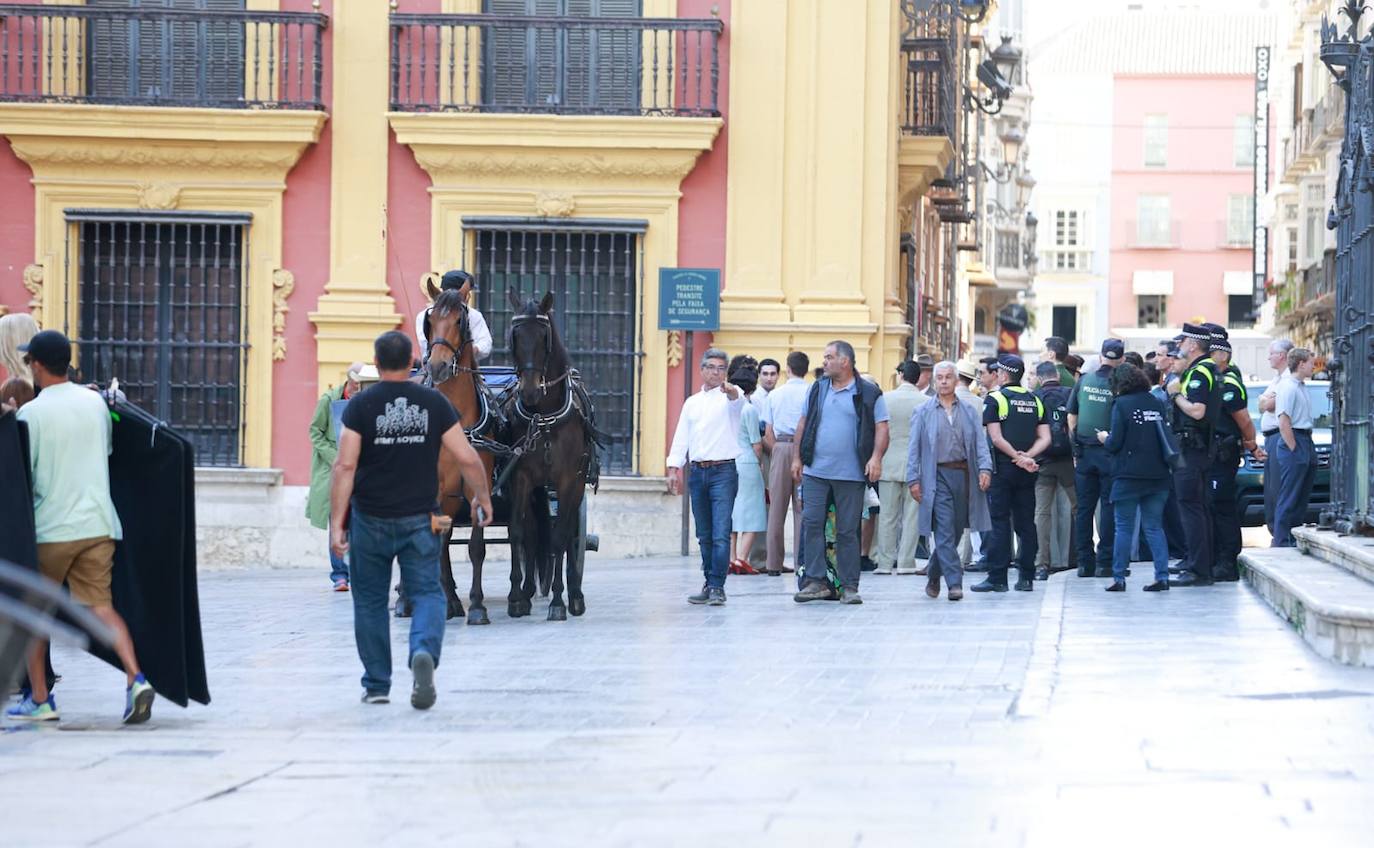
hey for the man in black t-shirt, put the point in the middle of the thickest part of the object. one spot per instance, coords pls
(386, 486)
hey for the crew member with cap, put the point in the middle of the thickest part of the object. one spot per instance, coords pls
(1195, 401)
(1090, 410)
(926, 385)
(456, 280)
(1018, 428)
(968, 373)
(1235, 430)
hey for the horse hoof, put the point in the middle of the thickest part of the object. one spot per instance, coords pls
(577, 606)
(518, 609)
(558, 613)
(478, 615)
(455, 611)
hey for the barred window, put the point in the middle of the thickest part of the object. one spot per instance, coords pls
(161, 308)
(593, 269)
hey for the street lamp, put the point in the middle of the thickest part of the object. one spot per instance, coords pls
(972, 11)
(1032, 228)
(1007, 56)
(996, 84)
(1024, 184)
(1012, 140)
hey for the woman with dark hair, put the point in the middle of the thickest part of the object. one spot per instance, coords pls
(750, 516)
(1140, 473)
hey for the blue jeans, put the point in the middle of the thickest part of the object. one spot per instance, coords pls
(373, 543)
(713, 491)
(1151, 508)
(338, 568)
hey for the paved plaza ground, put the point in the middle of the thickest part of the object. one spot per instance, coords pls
(1063, 717)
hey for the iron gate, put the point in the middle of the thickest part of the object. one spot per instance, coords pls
(1352, 356)
(593, 269)
(161, 308)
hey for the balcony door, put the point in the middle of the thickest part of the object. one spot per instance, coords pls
(143, 59)
(560, 68)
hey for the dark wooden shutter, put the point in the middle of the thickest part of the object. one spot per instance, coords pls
(603, 65)
(522, 67)
(181, 62)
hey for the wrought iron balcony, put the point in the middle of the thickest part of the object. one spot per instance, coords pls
(931, 82)
(555, 65)
(154, 56)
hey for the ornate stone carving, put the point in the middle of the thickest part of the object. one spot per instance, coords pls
(33, 281)
(536, 163)
(158, 196)
(283, 282)
(46, 151)
(555, 204)
(674, 348)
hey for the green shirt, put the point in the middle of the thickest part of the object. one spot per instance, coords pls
(1091, 401)
(69, 450)
(1066, 378)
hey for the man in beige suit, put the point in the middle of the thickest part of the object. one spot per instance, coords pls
(897, 530)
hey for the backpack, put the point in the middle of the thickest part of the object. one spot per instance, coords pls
(1056, 400)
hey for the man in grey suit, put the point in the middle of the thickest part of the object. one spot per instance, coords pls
(949, 468)
(897, 528)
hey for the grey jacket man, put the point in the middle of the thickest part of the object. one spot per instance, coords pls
(921, 465)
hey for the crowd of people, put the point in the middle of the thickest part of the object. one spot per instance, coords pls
(984, 467)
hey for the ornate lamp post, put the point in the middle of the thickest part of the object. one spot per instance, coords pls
(1351, 60)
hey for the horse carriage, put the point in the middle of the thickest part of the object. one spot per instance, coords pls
(534, 428)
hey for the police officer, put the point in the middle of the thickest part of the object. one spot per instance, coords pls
(1019, 431)
(1195, 402)
(1090, 410)
(1235, 430)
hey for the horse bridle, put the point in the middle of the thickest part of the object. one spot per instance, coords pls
(451, 368)
(528, 364)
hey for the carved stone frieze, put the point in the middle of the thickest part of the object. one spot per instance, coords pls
(283, 283)
(158, 195)
(555, 204)
(40, 152)
(33, 281)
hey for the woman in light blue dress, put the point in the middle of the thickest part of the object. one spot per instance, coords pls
(750, 515)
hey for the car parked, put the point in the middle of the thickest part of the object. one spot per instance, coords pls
(1250, 478)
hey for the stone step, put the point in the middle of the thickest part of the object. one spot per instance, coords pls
(1331, 608)
(1353, 553)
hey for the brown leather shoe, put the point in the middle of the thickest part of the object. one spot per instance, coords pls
(956, 593)
(933, 588)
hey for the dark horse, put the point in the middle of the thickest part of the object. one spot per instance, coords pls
(554, 438)
(452, 367)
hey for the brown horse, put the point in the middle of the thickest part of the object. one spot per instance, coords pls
(452, 366)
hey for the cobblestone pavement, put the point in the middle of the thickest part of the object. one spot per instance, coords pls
(1064, 717)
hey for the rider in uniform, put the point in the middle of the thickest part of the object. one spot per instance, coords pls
(1195, 402)
(1019, 430)
(1235, 430)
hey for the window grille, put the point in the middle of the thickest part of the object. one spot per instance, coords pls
(594, 269)
(1151, 310)
(161, 308)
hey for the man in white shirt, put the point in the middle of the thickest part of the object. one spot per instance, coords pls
(1294, 460)
(707, 435)
(69, 451)
(1269, 422)
(459, 280)
(784, 409)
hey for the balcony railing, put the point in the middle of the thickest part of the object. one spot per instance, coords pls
(152, 56)
(558, 65)
(930, 80)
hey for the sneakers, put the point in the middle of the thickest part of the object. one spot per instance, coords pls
(376, 698)
(138, 701)
(851, 597)
(715, 597)
(1117, 586)
(422, 694)
(28, 710)
(990, 586)
(341, 585)
(1042, 574)
(700, 597)
(1025, 584)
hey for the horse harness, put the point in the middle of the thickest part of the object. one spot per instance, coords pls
(479, 433)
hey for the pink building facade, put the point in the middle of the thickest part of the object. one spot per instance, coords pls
(1182, 200)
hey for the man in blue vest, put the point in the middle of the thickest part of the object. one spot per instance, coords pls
(1090, 410)
(841, 439)
(1019, 431)
(1195, 402)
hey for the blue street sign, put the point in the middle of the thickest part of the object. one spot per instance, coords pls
(689, 299)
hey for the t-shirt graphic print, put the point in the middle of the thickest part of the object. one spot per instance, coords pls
(402, 426)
